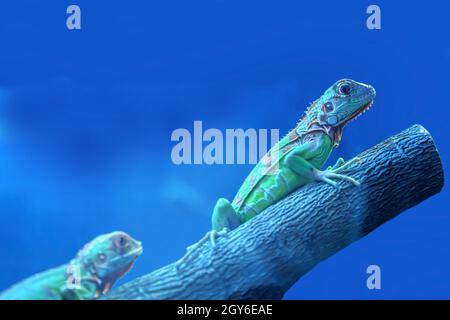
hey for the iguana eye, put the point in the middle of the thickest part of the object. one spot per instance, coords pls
(345, 89)
(122, 242)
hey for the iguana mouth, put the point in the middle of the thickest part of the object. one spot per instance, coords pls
(337, 132)
(358, 113)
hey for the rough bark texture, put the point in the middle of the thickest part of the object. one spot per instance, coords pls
(264, 257)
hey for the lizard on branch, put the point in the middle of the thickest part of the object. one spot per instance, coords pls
(296, 159)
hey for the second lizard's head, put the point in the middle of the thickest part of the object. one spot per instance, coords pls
(106, 258)
(343, 102)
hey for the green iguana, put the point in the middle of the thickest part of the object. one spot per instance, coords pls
(90, 274)
(297, 158)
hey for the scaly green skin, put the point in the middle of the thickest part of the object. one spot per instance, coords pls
(90, 274)
(297, 158)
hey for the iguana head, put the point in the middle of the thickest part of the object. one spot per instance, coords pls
(343, 102)
(105, 259)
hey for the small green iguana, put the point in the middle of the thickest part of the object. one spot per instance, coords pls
(90, 274)
(297, 158)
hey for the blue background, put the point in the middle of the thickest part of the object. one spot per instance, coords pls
(86, 118)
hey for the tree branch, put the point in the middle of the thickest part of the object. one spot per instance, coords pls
(264, 257)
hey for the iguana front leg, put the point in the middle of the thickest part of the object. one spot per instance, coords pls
(296, 162)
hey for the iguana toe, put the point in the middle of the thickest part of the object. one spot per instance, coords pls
(327, 176)
(211, 237)
(344, 165)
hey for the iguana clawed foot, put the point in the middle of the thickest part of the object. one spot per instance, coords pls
(333, 172)
(210, 237)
